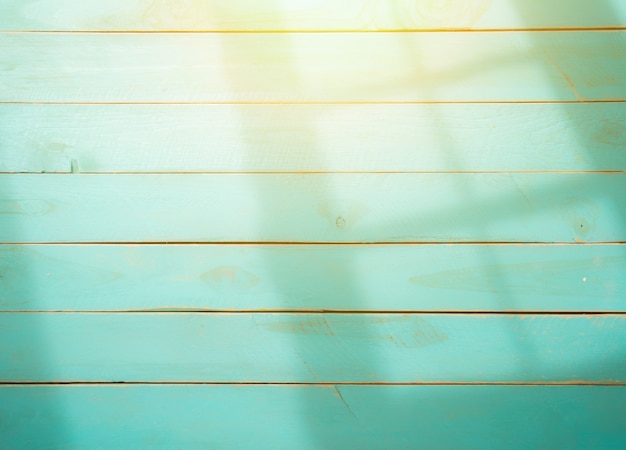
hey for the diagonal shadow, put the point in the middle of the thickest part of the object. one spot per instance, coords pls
(331, 204)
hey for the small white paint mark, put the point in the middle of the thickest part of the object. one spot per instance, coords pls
(584, 279)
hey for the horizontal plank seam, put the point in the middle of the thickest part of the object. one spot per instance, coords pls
(292, 312)
(302, 384)
(295, 243)
(313, 244)
(421, 102)
(330, 31)
(320, 172)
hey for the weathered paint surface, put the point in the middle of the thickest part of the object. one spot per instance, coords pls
(312, 417)
(441, 207)
(310, 348)
(252, 277)
(305, 138)
(313, 67)
(313, 15)
(463, 158)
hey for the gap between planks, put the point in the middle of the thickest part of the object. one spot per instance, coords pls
(327, 31)
(312, 243)
(329, 384)
(325, 172)
(299, 102)
(336, 312)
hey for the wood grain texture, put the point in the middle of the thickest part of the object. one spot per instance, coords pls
(215, 15)
(310, 277)
(283, 138)
(487, 207)
(312, 417)
(311, 347)
(301, 67)
(244, 96)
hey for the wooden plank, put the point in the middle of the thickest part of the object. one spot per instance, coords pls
(311, 347)
(277, 138)
(312, 417)
(305, 67)
(246, 15)
(483, 207)
(313, 277)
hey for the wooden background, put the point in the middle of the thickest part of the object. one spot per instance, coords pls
(312, 224)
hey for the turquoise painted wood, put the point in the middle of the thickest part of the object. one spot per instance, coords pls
(365, 417)
(313, 417)
(288, 138)
(464, 224)
(312, 67)
(484, 207)
(313, 277)
(312, 348)
(264, 15)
